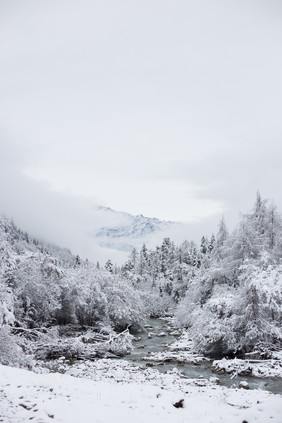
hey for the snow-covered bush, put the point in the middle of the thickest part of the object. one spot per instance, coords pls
(125, 305)
(156, 305)
(259, 308)
(209, 321)
(120, 344)
(90, 296)
(6, 305)
(83, 300)
(10, 353)
(235, 320)
(37, 288)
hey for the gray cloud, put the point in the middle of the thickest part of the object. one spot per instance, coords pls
(171, 109)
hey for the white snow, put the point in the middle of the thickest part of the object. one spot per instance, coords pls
(258, 368)
(55, 397)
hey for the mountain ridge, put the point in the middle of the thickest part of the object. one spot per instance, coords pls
(135, 228)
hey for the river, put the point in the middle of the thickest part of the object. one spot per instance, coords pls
(146, 345)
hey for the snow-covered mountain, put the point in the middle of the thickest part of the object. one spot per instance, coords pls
(129, 230)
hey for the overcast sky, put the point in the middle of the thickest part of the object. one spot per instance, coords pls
(169, 108)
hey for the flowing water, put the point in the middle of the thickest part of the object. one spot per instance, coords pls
(145, 345)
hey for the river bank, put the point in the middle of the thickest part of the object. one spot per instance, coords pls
(164, 347)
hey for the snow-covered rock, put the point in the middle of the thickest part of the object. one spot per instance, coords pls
(257, 368)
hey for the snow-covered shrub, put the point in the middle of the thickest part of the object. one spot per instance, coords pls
(91, 296)
(120, 344)
(156, 305)
(83, 300)
(209, 322)
(10, 352)
(234, 320)
(259, 308)
(125, 306)
(37, 288)
(6, 305)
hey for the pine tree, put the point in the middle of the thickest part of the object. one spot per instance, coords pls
(211, 244)
(204, 245)
(109, 266)
(77, 261)
(143, 260)
(221, 240)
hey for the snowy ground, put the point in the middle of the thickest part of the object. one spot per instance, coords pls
(131, 396)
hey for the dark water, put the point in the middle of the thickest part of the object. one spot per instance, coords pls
(158, 344)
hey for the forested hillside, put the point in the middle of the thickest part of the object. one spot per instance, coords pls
(43, 285)
(226, 292)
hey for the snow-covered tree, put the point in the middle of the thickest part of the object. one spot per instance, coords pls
(37, 288)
